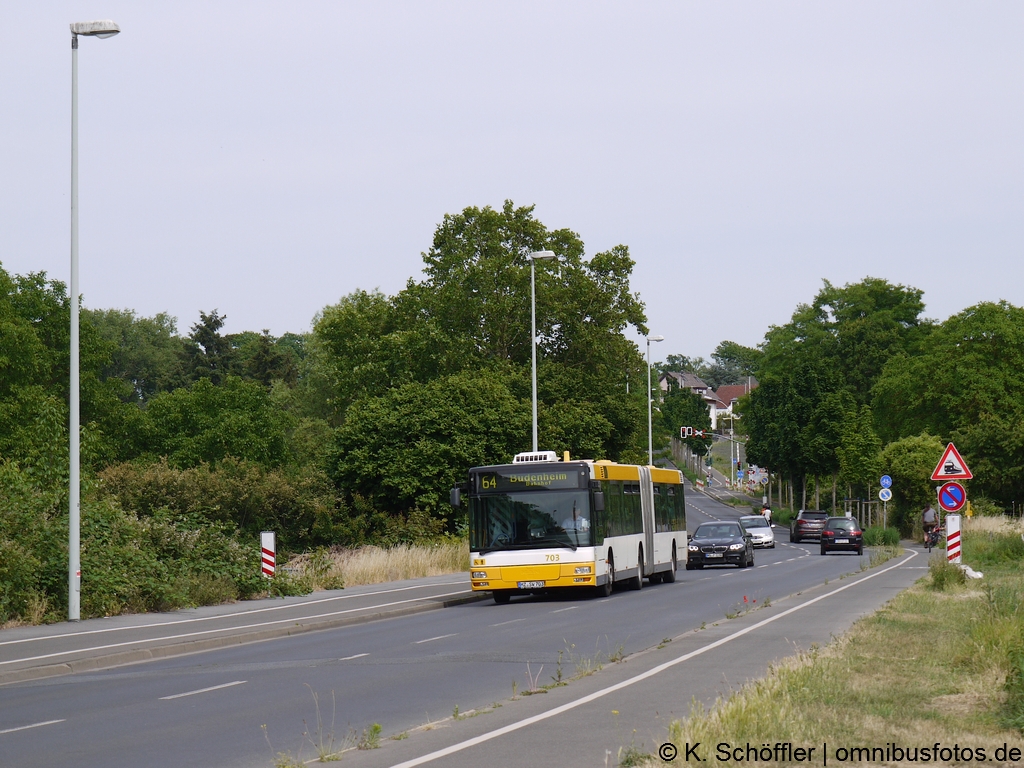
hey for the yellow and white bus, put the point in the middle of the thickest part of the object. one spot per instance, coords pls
(540, 523)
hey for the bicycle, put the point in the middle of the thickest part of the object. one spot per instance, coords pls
(933, 537)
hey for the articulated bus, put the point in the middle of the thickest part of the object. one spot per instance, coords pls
(539, 524)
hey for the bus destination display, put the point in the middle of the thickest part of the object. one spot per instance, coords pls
(492, 482)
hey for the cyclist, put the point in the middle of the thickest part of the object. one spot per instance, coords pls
(929, 521)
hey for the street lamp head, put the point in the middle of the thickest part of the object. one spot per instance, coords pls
(655, 338)
(100, 29)
(542, 255)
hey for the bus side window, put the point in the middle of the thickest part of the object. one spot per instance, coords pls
(679, 510)
(634, 520)
(612, 507)
(662, 508)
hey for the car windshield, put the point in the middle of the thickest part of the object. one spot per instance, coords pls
(716, 531)
(753, 522)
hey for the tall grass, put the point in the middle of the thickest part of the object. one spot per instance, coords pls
(327, 569)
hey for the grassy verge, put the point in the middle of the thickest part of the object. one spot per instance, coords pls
(942, 663)
(337, 567)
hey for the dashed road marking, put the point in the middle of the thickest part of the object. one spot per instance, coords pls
(34, 725)
(203, 690)
(439, 637)
(355, 656)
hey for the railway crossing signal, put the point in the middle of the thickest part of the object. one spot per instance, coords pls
(685, 432)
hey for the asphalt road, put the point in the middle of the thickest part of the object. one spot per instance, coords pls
(209, 708)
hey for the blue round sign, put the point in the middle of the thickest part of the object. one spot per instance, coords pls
(886, 481)
(885, 494)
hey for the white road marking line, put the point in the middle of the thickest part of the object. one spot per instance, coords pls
(203, 690)
(229, 615)
(356, 656)
(34, 725)
(560, 610)
(228, 629)
(503, 623)
(439, 637)
(636, 679)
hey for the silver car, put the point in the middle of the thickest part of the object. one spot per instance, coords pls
(759, 530)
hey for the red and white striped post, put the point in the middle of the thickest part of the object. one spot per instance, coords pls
(953, 538)
(269, 547)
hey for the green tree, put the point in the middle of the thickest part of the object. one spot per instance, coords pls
(144, 351)
(966, 387)
(909, 462)
(404, 449)
(207, 423)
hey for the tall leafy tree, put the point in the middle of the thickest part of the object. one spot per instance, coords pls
(967, 387)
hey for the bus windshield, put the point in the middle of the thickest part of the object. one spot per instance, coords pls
(530, 520)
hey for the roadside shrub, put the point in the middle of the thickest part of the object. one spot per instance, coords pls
(945, 575)
(877, 536)
(983, 507)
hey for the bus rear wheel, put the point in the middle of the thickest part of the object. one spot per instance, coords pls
(637, 582)
(669, 576)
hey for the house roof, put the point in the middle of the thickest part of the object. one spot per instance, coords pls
(684, 380)
(728, 393)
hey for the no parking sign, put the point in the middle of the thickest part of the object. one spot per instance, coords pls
(952, 497)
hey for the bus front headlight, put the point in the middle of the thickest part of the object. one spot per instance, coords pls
(479, 574)
(582, 569)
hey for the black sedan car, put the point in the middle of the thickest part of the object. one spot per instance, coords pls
(842, 533)
(808, 524)
(721, 543)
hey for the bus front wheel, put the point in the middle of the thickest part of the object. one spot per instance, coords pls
(605, 590)
(502, 598)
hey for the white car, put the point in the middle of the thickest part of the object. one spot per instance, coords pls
(759, 529)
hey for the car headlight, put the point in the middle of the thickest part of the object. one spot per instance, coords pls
(693, 548)
(479, 574)
(737, 546)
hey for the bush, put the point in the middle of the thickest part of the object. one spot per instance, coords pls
(877, 536)
(945, 574)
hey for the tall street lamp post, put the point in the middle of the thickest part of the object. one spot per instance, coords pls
(533, 257)
(101, 29)
(650, 435)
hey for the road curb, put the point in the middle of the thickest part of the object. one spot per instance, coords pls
(140, 655)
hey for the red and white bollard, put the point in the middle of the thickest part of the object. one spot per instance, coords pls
(953, 538)
(269, 546)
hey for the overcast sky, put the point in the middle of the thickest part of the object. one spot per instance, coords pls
(265, 159)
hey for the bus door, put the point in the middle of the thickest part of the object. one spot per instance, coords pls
(647, 511)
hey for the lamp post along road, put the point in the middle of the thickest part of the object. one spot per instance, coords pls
(101, 29)
(650, 399)
(533, 329)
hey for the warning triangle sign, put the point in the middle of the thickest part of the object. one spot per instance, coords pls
(951, 466)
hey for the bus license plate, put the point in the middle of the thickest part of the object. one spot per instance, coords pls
(842, 541)
(531, 584)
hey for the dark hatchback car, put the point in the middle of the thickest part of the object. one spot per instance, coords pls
(808, 524)
(842, 534)
(722, 543)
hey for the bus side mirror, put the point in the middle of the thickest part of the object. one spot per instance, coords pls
(456, 497)
(599, 501)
